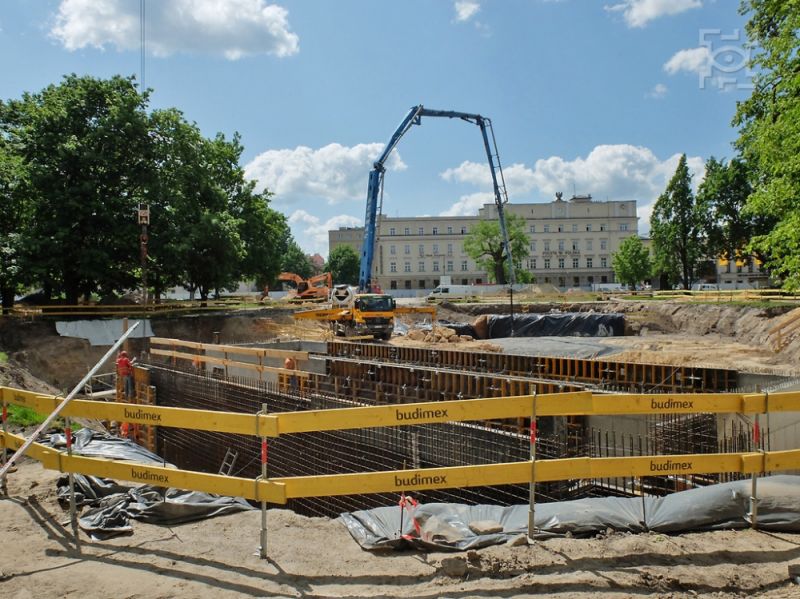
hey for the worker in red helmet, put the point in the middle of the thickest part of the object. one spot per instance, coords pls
(125, 372)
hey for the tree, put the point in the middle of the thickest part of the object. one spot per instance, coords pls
(721, 199)
(294, 260)
(14, 222)
(769, 138)
(675, 228)
(484, 244)
(344, 265)
(84, 145)
(632, 262)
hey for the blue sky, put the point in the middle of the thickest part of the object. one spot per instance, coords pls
(595, 96)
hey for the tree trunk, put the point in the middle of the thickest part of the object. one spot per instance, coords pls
(8, 299)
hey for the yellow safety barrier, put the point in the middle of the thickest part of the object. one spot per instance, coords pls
(259, 490)
(580, 403)
(278, 490)
(226, 362)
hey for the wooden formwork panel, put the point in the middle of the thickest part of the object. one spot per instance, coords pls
(632, 376)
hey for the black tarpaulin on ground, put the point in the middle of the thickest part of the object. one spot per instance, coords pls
(444, 526)
(111, 506)
(568, 324)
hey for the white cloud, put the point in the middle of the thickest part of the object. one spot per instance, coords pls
(637, 13)
(618, 172)
(691, 60)
(466, 9)
(333, 173)
(658, 91)
(312, 234)
(231, 28)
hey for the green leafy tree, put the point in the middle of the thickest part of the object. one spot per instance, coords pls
(769, 139)
(343, 264)
(721, 199)
(294, 260)
(484, 244)
(632, 262)
(675, 228)
(14, 222)
(84, 145)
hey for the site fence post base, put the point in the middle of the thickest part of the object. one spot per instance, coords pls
(532, 488)
(263, 545)
(73, 511)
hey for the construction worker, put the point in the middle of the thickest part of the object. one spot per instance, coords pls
(125, 371)
(291, 364)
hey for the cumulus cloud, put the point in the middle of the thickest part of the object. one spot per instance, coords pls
(465, 9)
(691, 60)
(658, 91)
(231, 28)
(618, 172)
(312, 234)
(638, 13)
(333, 173)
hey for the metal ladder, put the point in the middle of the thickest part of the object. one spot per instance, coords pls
(228, 461)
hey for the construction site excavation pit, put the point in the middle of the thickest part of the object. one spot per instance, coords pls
(342, 374)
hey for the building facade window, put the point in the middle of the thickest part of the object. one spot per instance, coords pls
(574, 263)
(603, 227)
(435, 230)
(575, 245)
(574, 228)
(435, 249)
(463, 230)
(561, 262)
(391, 231)
(392, 250)
(546, 245)
(623, 226)
(407, 267)
(449, 230)
(589, 263)
(407, 249)
(589, 245)
(560, 228)
(392, 266)
(603, 262)
(449, 249)
(421, 266)
(464, 265)
(533, 229)
(560, 245)
(547, 228)
(589, 228)
(547, 263)
(407, 231)
(421, 231)
(533, 263)
(449, 266)
(421, 248)
(604, 244)
(435, 266)
(533, 245)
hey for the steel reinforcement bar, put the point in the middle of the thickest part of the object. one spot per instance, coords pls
(609, 374)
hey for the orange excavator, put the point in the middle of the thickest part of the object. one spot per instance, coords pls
(313, 289)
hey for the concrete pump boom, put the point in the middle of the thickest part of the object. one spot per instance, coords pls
(414, 117)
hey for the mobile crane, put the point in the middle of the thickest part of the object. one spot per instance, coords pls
(375, 186)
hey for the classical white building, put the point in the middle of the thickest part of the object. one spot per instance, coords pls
(570, 244)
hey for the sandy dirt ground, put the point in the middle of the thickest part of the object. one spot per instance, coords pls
(316, 557)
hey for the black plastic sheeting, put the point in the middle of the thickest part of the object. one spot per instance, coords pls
(444, 526)
(566, 324)
(111, 506)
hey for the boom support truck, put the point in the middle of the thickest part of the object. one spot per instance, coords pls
(375, 185)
